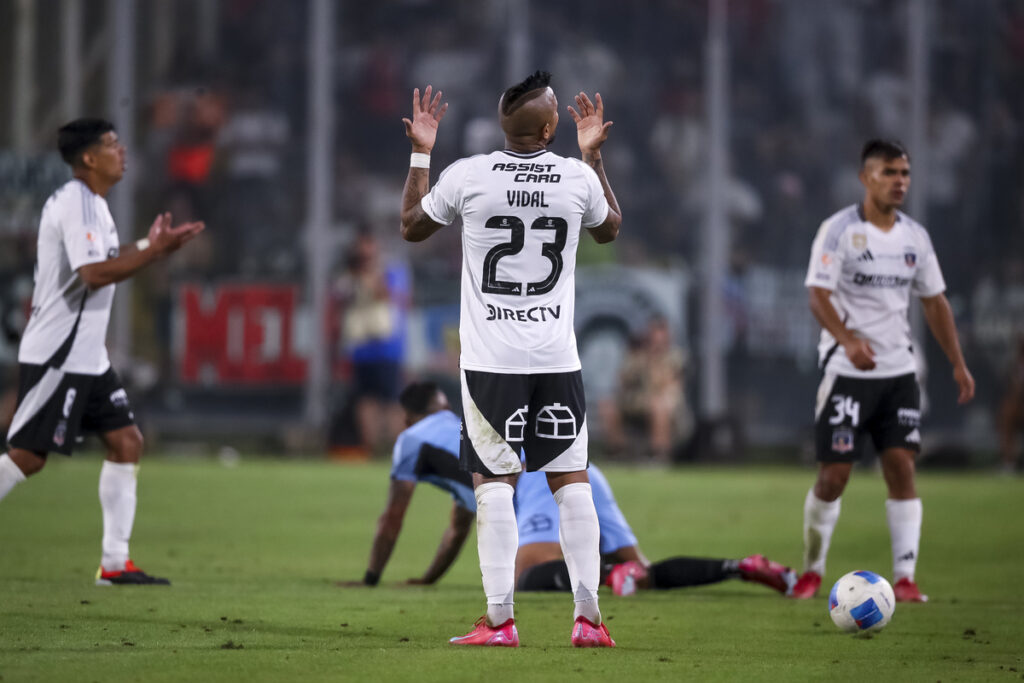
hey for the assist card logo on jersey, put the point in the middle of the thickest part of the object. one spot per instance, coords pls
(842, 440)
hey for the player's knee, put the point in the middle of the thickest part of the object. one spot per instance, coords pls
(128, 446)
(28, 462)
(831, 484)
(135, 443)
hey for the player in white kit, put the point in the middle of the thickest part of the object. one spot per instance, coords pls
(866, 261)
(523, 209)
(66, 384)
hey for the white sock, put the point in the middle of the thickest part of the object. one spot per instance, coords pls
(117, 498)
(580, 536)
(820, 519)
(10, 475)
(904, 517)
(497, 540)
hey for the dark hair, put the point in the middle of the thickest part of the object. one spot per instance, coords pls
(416, 397)
(884, 149)
(79, 135)
(512, 98)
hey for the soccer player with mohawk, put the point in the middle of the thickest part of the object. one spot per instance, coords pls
(523, 210)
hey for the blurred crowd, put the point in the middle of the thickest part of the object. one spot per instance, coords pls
(224, 140)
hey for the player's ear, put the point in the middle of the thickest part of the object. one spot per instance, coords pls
(87, 159)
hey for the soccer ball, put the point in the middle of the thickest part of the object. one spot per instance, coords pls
(861, 601)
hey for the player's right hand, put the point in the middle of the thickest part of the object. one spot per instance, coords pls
(860, 353)
(165, 239)
(426, 116)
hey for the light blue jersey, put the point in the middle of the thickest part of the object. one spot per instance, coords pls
(428, 451)
(537, 512)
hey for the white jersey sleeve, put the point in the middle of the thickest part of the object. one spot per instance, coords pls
(444, 201)
(928, 280)
(597, 204)
(79, 224)
(826, 264)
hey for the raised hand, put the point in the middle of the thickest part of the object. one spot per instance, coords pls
(426, 116)
(165, 239)
(591, 128)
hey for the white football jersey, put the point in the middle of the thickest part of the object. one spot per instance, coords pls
(75, 229)
(521, 219)
(872, 273)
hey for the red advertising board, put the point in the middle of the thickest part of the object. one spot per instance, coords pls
(240, 334)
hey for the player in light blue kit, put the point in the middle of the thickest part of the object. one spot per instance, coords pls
(427, 451)
(540, 565)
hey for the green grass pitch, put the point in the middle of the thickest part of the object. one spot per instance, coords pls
(254, 550)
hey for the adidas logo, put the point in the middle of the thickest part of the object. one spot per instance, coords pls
(914, 437)
(905, 558)
(866, 256)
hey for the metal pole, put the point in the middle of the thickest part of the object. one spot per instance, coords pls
(71, 58)
(121, 108)
(517, 54)
(209, 10)
(23, 94)
(162, 29)
(320, 177)
(917, 66)
(715, 238)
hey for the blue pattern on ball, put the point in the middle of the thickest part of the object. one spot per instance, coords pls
(866, 614)
(870, 577)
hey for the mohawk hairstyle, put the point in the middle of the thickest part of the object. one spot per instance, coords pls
(513, 98)
(416, 397)
(886, 150)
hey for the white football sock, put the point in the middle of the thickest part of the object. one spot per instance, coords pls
(117, 498)
(820, 519)
(497, 540)
(10, 475)
(904, 517)
(580, 537)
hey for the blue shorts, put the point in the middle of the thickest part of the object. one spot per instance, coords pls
(537, 512)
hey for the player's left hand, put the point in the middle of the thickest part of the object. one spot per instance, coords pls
(591, 128)
(426, 117)
(964, 380)
(165, 239)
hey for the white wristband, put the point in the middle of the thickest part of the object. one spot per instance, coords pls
(143, 244)
(419, 160)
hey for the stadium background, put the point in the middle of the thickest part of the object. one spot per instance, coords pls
(737, 130)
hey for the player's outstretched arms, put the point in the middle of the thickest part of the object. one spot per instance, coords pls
(591, 133)
(421, 129)
(939, 315)
(161, 241)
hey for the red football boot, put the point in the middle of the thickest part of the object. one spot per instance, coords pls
(484, 634)
(907, 591)
(806, 586)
